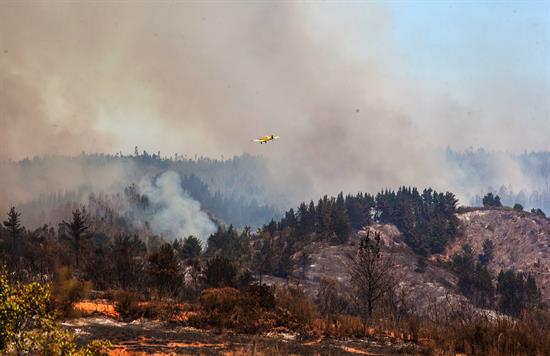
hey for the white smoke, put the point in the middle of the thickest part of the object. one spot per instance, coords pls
(176, 213)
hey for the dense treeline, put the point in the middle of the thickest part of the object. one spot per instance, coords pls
(427, 221)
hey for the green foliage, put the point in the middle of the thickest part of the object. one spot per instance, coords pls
(229, 243)
(491, 201)
(427, 220)
(21, 309)
(220, 272)
(538, 212)
(474, 279)
(517, 292)
(78, 228)
(163, 269)
(191, 248)
(13, 225)
(487, 255)
(518, 207)
(27, 323)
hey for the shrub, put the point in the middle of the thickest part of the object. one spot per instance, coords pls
(350, 326)
(538, 212)
(253, 312)
(246, 312)
(67, 290)
(260, 295)
(127, 305)
(518, 207)
(27, 324)
(219, 306)
(469, 332)
(295, 309)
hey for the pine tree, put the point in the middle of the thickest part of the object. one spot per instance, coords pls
(340, 220)
(13, 225)
(77, 229)
(191, 248)
(487, 256)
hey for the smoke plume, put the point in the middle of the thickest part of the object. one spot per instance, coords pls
(205, 78)
(175, 214)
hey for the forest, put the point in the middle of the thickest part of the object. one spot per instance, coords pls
(222, 280)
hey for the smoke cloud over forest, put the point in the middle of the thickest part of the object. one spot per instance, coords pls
(177, 214)
(205, 78)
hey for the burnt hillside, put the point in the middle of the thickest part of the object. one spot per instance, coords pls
(521, 240)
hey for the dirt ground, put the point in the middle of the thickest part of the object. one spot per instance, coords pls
(146, 337)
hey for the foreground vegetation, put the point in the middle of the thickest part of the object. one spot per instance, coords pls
(28, 326)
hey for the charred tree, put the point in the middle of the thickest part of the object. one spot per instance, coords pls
(371, 274)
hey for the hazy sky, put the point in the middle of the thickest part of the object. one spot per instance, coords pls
(357, 90)
(474, 67)
(491, 57)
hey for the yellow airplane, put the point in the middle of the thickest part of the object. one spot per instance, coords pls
(265, 139)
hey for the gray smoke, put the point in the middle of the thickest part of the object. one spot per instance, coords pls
(175, 213)
(206, 77)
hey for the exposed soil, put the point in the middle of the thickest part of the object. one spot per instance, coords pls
(521, 240)
(433, 285)
(163, 338)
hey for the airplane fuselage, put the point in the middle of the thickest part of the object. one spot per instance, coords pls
(266, 139)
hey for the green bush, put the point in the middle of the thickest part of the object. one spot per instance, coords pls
(27, 323)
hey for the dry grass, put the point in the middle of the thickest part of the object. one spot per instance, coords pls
(96, 307)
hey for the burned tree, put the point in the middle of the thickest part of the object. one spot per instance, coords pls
(370, 274)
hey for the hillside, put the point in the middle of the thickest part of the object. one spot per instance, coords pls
(332, 262)
(521, 240)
